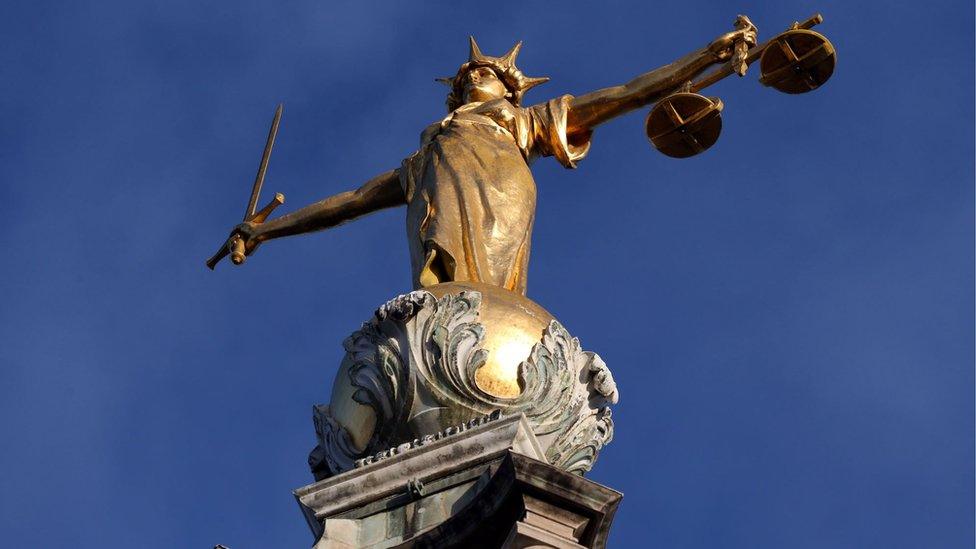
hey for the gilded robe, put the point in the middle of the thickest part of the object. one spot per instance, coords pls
(470, 193)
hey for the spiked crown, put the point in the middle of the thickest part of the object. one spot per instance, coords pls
(503, 67)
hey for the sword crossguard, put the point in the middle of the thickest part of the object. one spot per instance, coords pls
(264, 212)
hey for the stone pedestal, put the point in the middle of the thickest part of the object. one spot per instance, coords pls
(462, 415)
(482, 483)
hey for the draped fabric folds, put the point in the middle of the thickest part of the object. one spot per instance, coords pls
(471, 195)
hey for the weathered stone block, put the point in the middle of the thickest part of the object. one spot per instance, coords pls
(486, 485)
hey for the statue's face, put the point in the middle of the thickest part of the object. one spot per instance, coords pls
(481, 84)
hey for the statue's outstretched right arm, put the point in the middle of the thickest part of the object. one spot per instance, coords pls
(381, 192)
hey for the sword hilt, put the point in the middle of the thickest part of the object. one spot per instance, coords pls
(235, 245)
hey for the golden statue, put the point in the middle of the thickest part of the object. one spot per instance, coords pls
(469, 193)
(471, 342)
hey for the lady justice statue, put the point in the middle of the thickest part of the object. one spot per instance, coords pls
(468, 189)
(468, 343)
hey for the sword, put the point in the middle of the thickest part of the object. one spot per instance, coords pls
(235, 247)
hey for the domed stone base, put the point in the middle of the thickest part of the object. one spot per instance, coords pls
(433, 359)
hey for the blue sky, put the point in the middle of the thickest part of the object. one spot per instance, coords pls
(789, 316)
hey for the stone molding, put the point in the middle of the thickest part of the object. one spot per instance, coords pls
(345, 491)
(486, 486)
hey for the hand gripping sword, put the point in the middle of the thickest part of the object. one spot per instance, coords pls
(235, 246)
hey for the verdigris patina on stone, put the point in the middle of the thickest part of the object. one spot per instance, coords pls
(414, 367)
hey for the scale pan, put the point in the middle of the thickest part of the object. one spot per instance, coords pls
(684, 124)
(797, 61)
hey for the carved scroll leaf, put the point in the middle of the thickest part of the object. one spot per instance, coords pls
(335, 452)
(551, 398)
(566, 392)
(449, 348)
(576, 450)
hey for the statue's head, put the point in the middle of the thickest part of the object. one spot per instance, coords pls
(484, 78)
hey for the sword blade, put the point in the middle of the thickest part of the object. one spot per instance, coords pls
(263, 168)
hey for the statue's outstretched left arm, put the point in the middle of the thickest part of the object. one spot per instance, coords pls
(592, 109)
